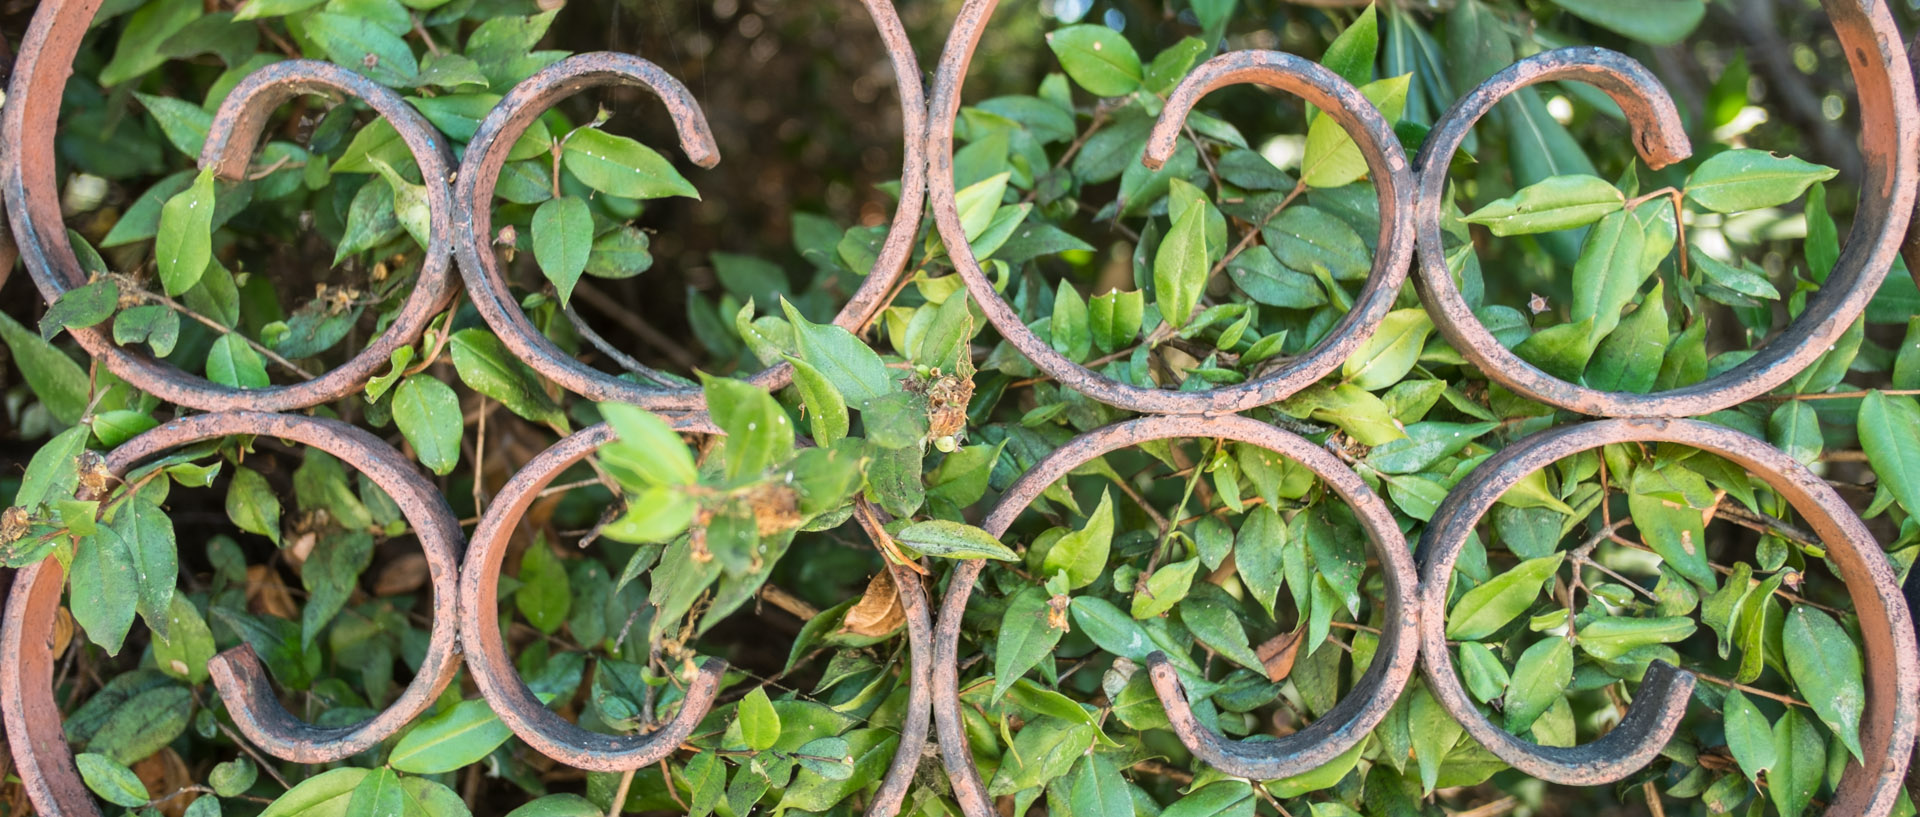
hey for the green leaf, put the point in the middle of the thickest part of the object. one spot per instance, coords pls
(1071, 334)
(485, 365)
(1180, 267)
(428, 413)
(1667, 504)
(1044, 749)
(1227, 798)
(759, 723)
(1609, 272)
(1539, 677)
(1351, 55)
(1164, 588)
(1749, 736)
(1214, 620)
(851, 366)
(562, 239)
(1794, 427)
(145, 534)
(622, 167)
(377, 795)
(459, 736)
(978, 202)
(81, 307)
(231, 362)
(826, 409)
(184, 123)
(1744, 179)
(113, 781)
(954, 540)
(232, 778)
(1485, 609)
(323, 795)
(1556, 203)
(1654, 22)
(1386, 357)
(1628, 359)
(1887, 424)
(1612, 637)
(188, 647)
(758, 434)
(1800, 761)
(1082, 554)
(60, 383)
(1306, 239)
(1486, 677)
(252, 504)
(1097, 58)
(1825, 664)
(1434, 734)
(153, 324)
(184, 245)
(363, 45)
(829, 757)
(558, 805)
(1332, 158)
(1096, 789)
(54, 471)
(138, 49)
(1026, 636)
(545, 593)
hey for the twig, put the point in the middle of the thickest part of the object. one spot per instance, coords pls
(626, 781)
(128, 285)
(1718, 681)
(626, 362)
(632, 321)
(1493, 809)
(789, 602)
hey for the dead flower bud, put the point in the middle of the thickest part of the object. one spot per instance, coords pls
(776, 508)
(14, 523)
(947, 398)
(94, 474)
(1057, 613)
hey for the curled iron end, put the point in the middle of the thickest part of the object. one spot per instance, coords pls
(1279, 70)
(1889, 122)
(486, 651)
(1658, 134)
(1893, 688)
(1339, 731)
(1301, 752)
(242, 117)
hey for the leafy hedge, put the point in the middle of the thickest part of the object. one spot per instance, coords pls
(1242, 252)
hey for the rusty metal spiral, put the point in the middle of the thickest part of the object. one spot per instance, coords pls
(1411, 197)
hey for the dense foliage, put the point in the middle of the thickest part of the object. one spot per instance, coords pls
(1242, 252)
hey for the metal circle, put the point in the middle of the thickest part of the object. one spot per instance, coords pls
(491, 667)
(564, 741)
(1386, 161)
(1893, 668)
(487, 154)
(33, 719)
(1888, 130)
(30, 119)
(1339, 730)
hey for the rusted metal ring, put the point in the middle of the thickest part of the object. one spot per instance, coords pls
(1332, 735)
(557, 738)
(30, 119)
(1893, 667)
(1889, 129)
(26, 682)
(487, 154)
(487, 659)
(913, 727)
(1385, 159)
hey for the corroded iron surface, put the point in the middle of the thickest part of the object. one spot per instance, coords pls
(1411, 193)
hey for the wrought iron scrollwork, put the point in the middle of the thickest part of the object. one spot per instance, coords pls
(1411, 195)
